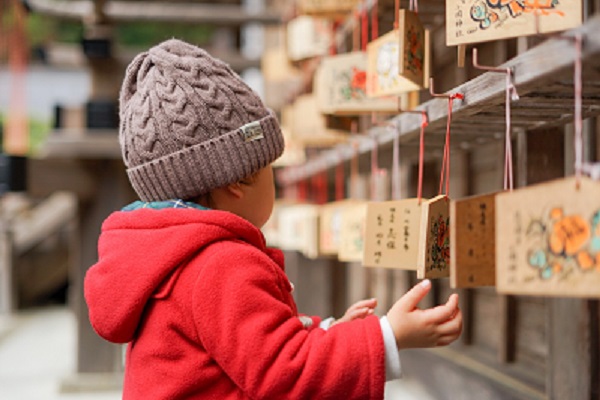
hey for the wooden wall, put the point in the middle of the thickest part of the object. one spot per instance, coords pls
(512, 347)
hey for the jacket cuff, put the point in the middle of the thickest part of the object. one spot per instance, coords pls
(326, 323)
(393, 368)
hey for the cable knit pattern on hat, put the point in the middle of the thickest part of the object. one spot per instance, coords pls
(189, 124)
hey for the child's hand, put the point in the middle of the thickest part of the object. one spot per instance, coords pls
(413, 327)
(360, 309)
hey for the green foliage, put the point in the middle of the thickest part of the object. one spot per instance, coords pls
(146, 34)
(42, 29)
(38, 131)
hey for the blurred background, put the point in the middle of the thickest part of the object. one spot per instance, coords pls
(61, 66)
(61, 175)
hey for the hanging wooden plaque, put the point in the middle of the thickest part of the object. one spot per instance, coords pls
(352, 232)
(294, 151)
(309, 126)
(548, 239)
(298, 227)
(383, 71)
(288, 228)
(433, 260)
(472, 21)
(280, 77)
(327, 8)
(340, 84)
(308, 37)
(412, 52)
(271, 229)
(392, 234)
(330, 226)
(473, 241)
(309, 221)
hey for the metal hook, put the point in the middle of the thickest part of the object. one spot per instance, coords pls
(508, 70)
(401, 111)
(459, 96)
(511, 94)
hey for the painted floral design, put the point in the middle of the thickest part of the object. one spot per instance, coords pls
(567, 243)
(440, 246)
(490, 13)
(355, 84)
(414, 54)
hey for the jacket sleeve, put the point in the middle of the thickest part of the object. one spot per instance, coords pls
(247, 322)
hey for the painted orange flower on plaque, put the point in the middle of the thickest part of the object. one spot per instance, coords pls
(585, 260)
(569, 235)
(572, 241)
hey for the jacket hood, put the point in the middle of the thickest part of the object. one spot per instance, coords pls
(139, 250)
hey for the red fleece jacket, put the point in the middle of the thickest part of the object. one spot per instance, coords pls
(208, 313)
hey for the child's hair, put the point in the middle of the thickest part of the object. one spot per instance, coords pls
(189, 124)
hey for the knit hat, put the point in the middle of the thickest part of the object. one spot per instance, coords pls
(189, 124)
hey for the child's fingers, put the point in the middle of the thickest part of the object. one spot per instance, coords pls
(363, 312)
(409, 301)
(368, 303)
(453, 301)
(452, 326)
(357, 313)
(446, 340)
(444, 312)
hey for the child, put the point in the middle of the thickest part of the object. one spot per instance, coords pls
(184, 275)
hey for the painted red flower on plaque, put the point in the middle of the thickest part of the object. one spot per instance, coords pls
(359, 79)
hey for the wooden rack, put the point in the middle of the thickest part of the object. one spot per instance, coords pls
(543, 77)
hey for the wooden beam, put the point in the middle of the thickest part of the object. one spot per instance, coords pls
(90, 144)
(534, 69)
(48, 217)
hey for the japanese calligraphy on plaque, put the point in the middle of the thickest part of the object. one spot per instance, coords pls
(473, 241)
(352, 232)
(433, 260)
(472, 21)
(340, 85)
(392, 234)
(548, 239)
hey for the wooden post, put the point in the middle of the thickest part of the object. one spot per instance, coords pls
(570, 350)
(95, 354)
(339, 285)
(99, 364)
(7, 285)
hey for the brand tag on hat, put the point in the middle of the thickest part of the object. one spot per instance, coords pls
(252, 131)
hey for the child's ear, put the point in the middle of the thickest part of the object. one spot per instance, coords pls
(235, 189)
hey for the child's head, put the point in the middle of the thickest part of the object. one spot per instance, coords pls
(190, 125)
